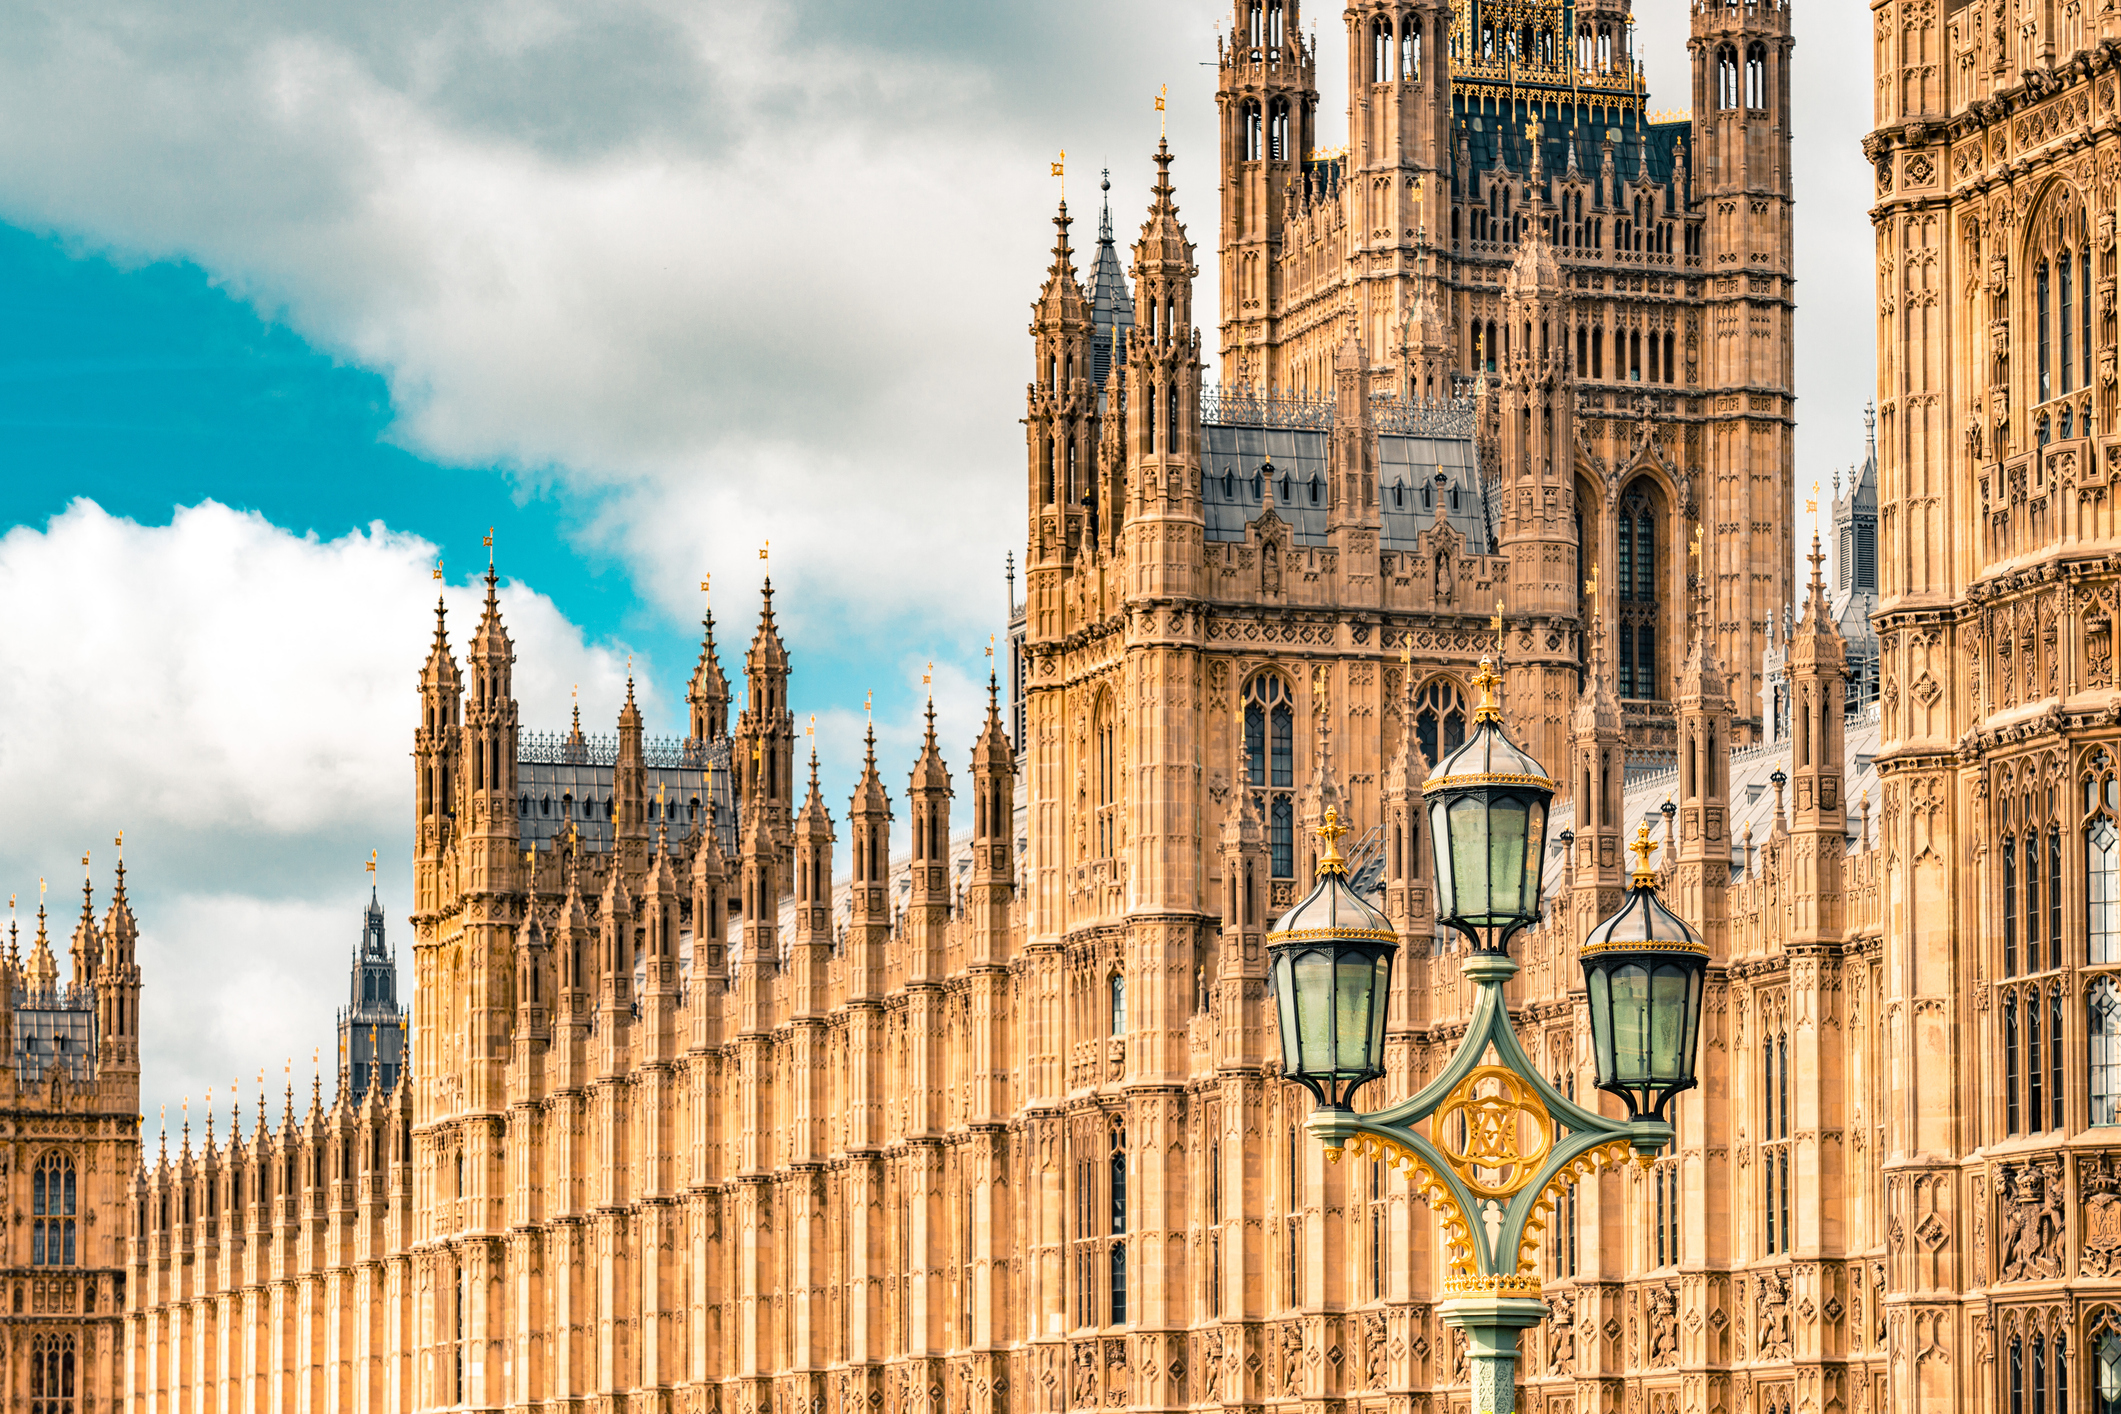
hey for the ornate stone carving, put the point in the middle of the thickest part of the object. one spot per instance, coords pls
(2099, 1247)
(2029, 1222)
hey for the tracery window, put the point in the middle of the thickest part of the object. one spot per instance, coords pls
(2102, 1026)
(1775, 1145)
(1756, 76)
(1439, 719)
(2106, 1375)
(1638, 557)
(51, 1375)
(1105, 734)
(52, 1200)
(1116, 1258)
(1727, 77)
(2102, 863)
(1270, 766)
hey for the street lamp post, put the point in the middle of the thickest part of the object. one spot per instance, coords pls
(1502, 1143)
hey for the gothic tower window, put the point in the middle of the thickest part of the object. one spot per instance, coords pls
(2107, 1390)
(2102, 863)
(51, 1375)
(1270, 766)
(1381, 51)
(1727, 77)
(1278, 131)
(1775, 1147)
(1105, 734)
(1756, 76)
(1410, 53)
(1249, 118)
(2102, 1005)
(1116, 999)
(1636, 583)
(2041, 282)
(1116, 1259)
(1439, 719)
(52, 1211)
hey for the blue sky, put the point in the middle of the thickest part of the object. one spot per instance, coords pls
(293, 299)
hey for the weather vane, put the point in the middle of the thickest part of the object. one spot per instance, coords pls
(371, 866)
(1060, 169)
(1161, 94)
(489, 547)
(764, 548)
(704, 581)
(438, 567)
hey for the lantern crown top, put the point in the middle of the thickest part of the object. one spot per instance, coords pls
(1489, 757)
(1332, 910)
(1645, 877)
(1486, 680)
(1642, 923)
(1329, 835)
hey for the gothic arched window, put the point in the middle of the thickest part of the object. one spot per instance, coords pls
(1118, 1256)
(1251, 134)
(1116, 1001)
(1756, 76)
(1105, 738)
(2106, 1375)
(51, 1375)
(1270, 766)
(1636, 583)
(2041, 290)
(52, 1211)
(2102, 1015)
(1727, 77)
(1278, 131)
(2102, 864)
(1439, 719)
(1381, 51)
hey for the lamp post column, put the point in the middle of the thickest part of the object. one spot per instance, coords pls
(1491, 1324)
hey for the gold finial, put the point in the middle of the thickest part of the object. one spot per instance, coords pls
(763, 549)
(928, 680)
(1329, 833)
(659, 795)
(1642, 849)
(371, 866)
(704, 580)
(1590, 586)
(1406, 651)
(84, 865)
(990, 645)
(1060, 169)
(869, 706)
(1695, 548)
(120, 842)
(811, 730)
(1485, 680)
(489, 547)
(438, 567)
(1161, 94)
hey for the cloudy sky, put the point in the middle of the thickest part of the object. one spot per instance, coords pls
(295, 299)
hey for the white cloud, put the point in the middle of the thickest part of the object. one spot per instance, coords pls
(240, 701)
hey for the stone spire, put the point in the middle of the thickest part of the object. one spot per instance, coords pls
(708, 695)
(993, 886)
(1703, 873)
(43, 975)
(629, 791)
(764, 755)
(810, 950)
(868, 893)
(1597, 781)
(1819, 817)
(928, 902)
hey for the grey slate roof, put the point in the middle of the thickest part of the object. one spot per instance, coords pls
(1232, 493)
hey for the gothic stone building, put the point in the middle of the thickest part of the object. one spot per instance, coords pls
(69, 1153)
(996, 1127)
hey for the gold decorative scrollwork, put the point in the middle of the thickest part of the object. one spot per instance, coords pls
(1494, 1130)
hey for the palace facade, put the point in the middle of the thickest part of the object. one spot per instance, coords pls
(996, 1126)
